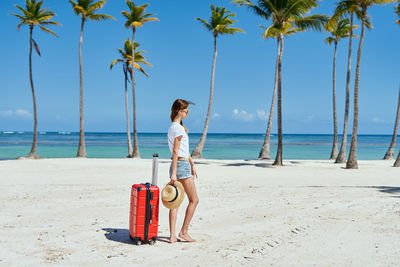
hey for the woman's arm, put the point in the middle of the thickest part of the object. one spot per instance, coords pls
(175, 150)
(194, 172)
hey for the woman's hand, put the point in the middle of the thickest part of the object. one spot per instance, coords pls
(173, 179)
(194, 172)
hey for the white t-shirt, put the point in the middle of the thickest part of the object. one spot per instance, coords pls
(175, 130)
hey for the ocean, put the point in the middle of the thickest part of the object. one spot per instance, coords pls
(218, 145)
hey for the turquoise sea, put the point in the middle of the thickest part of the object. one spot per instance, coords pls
(218, 146)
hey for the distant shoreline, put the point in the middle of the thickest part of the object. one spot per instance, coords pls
(194, 133)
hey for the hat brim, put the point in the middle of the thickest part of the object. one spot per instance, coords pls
(178, 201)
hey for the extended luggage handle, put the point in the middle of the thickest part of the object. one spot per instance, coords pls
(154, 172)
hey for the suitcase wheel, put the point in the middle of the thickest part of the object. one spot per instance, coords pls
(138, 242)
(151, 242)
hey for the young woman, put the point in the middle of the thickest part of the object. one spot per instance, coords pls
(182, 167)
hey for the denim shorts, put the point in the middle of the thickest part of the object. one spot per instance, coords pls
(183, 170)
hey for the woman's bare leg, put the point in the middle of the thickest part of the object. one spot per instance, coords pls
(190, 190)
(172, 224)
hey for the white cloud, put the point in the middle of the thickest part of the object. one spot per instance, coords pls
(242, 115)
(377, 120)
(23, 113)
(262, 115)
(17, 113)
(216, 115)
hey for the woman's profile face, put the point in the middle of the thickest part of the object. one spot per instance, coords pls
(184, 112)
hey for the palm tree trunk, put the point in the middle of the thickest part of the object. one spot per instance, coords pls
(352, 160)
(278, 158)
(135, 153)
(390, 153)
(196, 153)
(334, 152)
(265, 150)
(81, 148)
(397, 162)
(341, 158)
(32, 153)
(128, 128)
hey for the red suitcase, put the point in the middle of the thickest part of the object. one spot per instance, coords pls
(143, 217)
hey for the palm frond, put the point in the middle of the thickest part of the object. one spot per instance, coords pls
(95, 6)
(33, 14)
(99, 17)
(315, 22)
(205, 24)
(115, 61)
(47, 30)
(254, 8)
(34, 44)
(268, 32)
(329, 40)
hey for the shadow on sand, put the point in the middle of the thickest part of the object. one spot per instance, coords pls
(394, 191)
(122, 236)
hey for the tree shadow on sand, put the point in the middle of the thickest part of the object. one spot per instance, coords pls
(394, 191)
(122, 236)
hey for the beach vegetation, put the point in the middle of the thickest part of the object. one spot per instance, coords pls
(34, 15)
(219, 23)
(285, 16)
(345, 9)
(390, 152)
(87, 10)
(126, 61)
(136, 16)
(338, 30)
(363, 6)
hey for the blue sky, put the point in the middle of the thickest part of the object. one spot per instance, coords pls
(181, 50)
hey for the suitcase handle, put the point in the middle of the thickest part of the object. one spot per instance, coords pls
(151, 214)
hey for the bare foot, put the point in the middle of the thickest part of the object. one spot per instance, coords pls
(172, 240)
(186, 237)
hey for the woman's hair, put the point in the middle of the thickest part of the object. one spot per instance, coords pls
(179, 104)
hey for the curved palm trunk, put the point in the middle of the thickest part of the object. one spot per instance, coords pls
(32, 153)
(198, 150)
(135, 153)
(341, 158)
(128, 131)
(390, 153)
(81, 148)
(397, 162)
(265, 150)
(278, 158)
(352, 160)
(334, 152)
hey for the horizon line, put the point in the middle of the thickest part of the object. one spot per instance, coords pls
(148, 132)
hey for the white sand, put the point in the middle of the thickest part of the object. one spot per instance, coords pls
(305, 213)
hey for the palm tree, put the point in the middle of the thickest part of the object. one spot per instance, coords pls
(397, 11)
(135, 17)
(126, 60)
(272, 33)
(285, 15)
(87, 9)
(34, 15)
(363, 6)
(344, 8)
(219, 23)
(338, 30)
(390, 152)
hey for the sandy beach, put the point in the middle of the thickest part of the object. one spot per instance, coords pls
(75, 212)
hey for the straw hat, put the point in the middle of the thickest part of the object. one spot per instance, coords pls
(173, 195)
